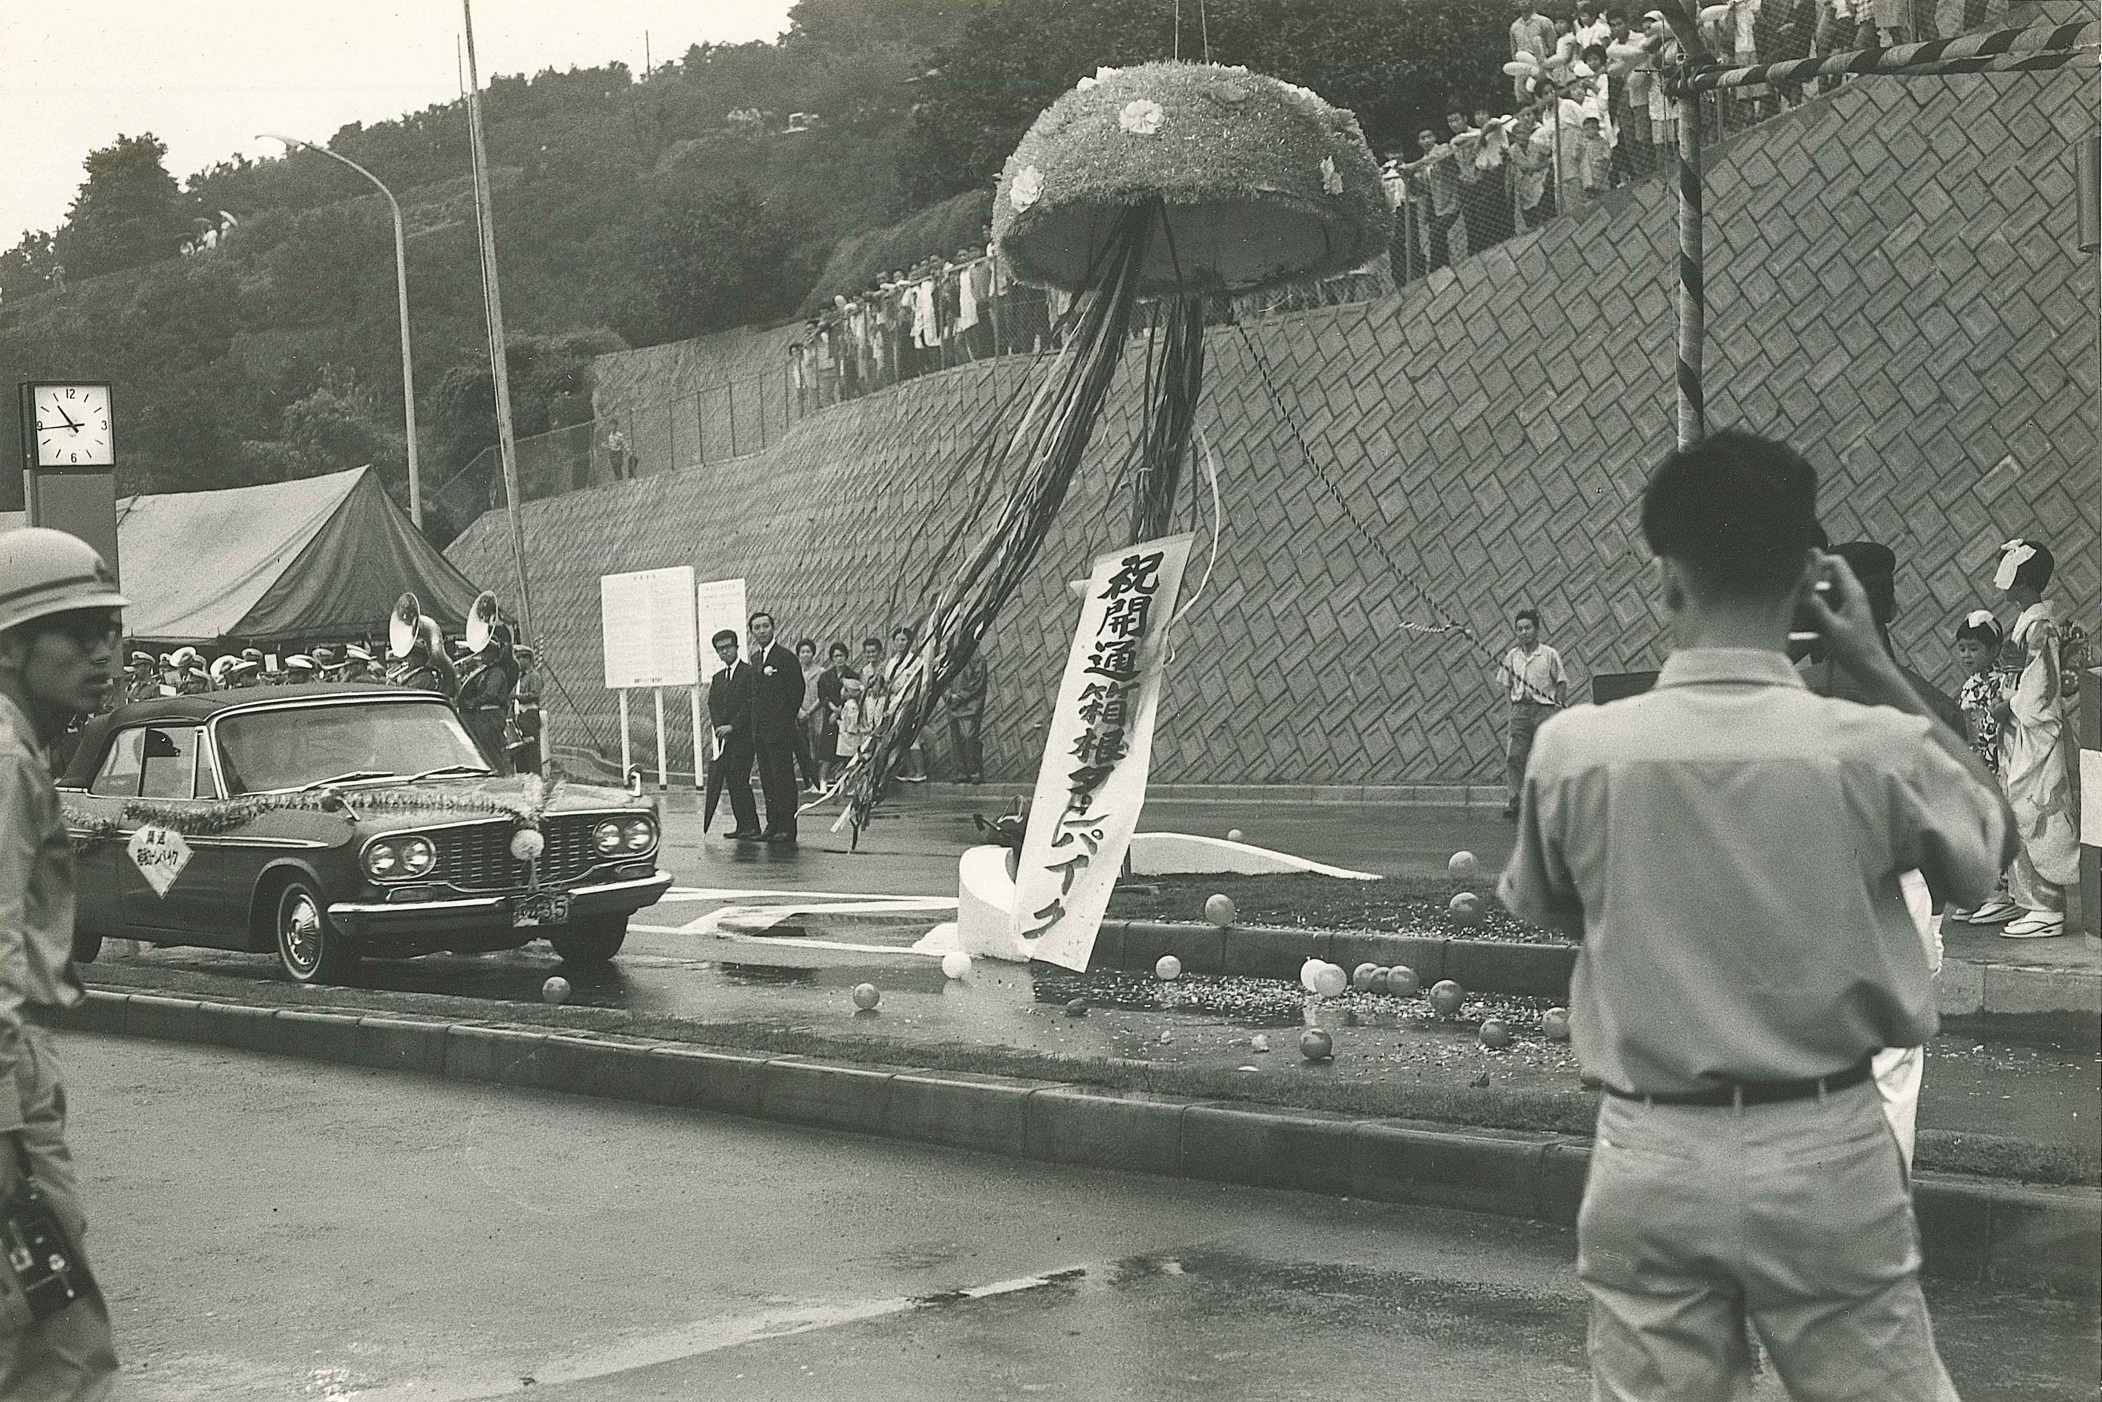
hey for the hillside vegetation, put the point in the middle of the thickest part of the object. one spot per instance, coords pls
(247, 313)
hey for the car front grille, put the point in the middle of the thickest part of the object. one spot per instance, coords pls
(478, 858)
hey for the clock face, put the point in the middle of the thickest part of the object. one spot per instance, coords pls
(73, 427)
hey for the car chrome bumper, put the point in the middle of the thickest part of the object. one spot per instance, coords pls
(471, 922)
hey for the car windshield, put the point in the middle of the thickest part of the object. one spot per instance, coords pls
(290, 747)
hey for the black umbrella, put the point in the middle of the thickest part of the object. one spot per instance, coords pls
(714, 796)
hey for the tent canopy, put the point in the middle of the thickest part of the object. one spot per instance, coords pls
(317, 559)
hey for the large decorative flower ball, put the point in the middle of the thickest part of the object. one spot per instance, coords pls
(1263, 182)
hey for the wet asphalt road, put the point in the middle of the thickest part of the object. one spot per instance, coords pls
(277, 1230)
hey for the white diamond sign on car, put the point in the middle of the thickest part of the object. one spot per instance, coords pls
(160, 854)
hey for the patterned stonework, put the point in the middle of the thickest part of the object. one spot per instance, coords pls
(1893, 285)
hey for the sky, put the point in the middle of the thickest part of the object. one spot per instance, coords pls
(206, 76)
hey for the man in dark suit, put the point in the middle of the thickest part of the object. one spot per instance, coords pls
(777, 697)
(730, 712)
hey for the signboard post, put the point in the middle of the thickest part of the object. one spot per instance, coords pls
(648, 628)
(1096, 756)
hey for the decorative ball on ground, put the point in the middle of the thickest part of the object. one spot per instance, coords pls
(1329, 980)
(1494, 1034)
(1402, 981)
(1465, 909)
(1361, 976)
(1218, 909)
(1307, 972)
(1233, 834)
(1446, 997)
(1077, 1008)
(1378, 982)
(956, 964)
(867, 996)
(1554, 1023)
(1167, 968)
(1316, 1045)
(1462, 865)
(1260, 182)
(555, 991)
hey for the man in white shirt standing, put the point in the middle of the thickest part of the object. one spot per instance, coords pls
(1534, 680)
(1731, 851)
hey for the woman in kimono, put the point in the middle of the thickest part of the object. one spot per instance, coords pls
(2034, 769)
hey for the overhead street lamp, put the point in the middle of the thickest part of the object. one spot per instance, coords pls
(401, 292)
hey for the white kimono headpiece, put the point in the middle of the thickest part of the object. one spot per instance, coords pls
(2013, 555)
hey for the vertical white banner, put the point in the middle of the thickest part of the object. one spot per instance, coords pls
(720, 604)
(1096, 757)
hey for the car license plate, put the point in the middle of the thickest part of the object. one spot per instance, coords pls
(540, 908)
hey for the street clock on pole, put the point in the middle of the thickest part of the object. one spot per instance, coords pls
(69, 461)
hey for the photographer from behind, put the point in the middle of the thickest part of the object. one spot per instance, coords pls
(1728, 848)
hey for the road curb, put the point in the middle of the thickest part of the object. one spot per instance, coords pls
(1971, 1229)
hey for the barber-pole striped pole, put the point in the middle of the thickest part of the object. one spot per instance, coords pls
(2090, 789)
(1693, 297)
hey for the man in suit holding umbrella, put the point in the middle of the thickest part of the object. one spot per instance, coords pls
(777, 695)
(730, 712)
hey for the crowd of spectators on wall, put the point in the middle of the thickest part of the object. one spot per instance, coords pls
(1589, 110)
(937, 313)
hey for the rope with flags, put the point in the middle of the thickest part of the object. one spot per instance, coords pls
(2038, 48)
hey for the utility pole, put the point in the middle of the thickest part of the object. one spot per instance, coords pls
(499, 370)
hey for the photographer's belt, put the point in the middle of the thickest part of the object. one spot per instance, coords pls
(1741, 1093)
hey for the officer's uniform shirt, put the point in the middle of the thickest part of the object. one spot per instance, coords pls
(36, 897)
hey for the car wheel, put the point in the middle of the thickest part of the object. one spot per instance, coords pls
(308, 947)
(591, 941)
(86, 946)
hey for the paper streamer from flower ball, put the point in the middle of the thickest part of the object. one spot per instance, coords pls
(1263, 182)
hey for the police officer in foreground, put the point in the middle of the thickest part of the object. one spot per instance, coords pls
(1729, 849)
(60, 622)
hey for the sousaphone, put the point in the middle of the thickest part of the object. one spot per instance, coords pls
(481, 619)
(403, 626)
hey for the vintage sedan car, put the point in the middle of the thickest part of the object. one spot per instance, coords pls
(329, 822)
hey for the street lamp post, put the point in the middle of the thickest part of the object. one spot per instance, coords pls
(401, 293)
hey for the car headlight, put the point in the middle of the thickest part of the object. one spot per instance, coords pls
(606, 837)
(382, 860)
(418, 856)
(637, 834)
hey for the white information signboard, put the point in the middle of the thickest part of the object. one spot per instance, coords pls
(720, 604)
(647, 620)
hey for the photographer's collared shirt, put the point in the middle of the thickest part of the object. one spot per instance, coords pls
(36, 897)
(1730, 846)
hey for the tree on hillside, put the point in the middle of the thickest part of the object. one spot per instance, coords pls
(128, 212)
(718, 259)
(30, 266)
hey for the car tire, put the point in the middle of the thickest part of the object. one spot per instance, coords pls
(309, 948)
(87, 946)
(593, 941)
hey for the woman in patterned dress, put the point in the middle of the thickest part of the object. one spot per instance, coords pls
(1982, 697)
